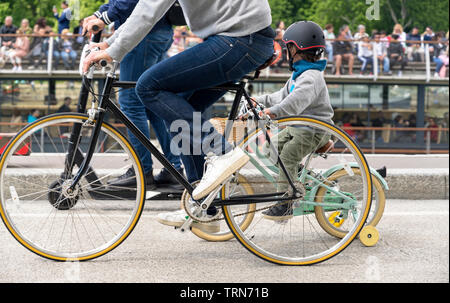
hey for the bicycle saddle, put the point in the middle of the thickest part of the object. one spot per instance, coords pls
(326, 148)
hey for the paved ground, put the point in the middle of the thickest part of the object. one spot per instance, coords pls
(414, 247)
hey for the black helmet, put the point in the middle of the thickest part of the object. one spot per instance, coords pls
(305, 35)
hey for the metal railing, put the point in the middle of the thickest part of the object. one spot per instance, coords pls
(373, 140)
(424, 44)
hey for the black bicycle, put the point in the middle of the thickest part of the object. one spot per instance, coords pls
(58, 204)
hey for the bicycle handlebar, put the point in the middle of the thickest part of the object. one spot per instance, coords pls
(98, 36)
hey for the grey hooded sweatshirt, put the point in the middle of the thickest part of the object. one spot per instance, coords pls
(306, 95)
(235, 18)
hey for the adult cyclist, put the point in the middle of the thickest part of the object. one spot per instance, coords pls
(237, 40)
(148, 52)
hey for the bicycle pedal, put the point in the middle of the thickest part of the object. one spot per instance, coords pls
(186, 226)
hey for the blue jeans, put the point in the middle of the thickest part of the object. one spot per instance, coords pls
(72, 55)
(176, 88)
(439, 64)
(365, 62)
(148, 52)
(386, 64)
(329, 49)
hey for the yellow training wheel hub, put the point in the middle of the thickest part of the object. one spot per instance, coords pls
(369, 236)
(335, 219)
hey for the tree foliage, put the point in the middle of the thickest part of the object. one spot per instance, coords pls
(35, 9)
(409, 13)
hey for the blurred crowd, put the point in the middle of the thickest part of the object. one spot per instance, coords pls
(351, 123)
(390, 50)
(343, 49)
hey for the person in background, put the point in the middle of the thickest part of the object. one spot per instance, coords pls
(33, 115)
(80, 39)
(428, 34)
(431, 123)
(381, 51)
(20, 49)
(68, 55)
(398, 30)
(64, 18)
(65, 108)
(8, 28)
(439, 53)
(360, 35)
(399, 122)
(365, 53)
(396, 54)
(39, 47)
(379, 121)
(192, 40)
(26, 29)
(281, 29)
(347, 31)
(329, 35)
(347, 126)
(414, 50)
(178, 44)
(343, 50)
(281, 26)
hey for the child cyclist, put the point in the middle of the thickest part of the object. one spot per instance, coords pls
(305, 93)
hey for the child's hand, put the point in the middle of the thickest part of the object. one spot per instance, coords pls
(269, 113)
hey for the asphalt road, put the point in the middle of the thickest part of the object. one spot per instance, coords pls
(414, 247)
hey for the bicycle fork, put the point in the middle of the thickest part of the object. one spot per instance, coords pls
(98, 116)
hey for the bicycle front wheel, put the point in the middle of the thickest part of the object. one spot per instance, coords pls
(57, 223)
(294, 237)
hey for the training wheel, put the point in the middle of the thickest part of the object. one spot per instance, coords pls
(369, 236)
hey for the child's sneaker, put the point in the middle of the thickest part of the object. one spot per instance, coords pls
(218, 169)
(177, 219)
(279, 212)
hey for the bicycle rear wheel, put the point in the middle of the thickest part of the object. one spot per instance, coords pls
(333, 221)
(299, 239)
(53, 222)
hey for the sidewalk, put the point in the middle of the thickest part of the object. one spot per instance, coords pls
(424, 177)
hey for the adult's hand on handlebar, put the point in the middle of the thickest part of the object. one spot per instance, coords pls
(100, 46)
(95, 57)
(93, 25)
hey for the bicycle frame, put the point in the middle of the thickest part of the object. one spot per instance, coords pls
(105, 104)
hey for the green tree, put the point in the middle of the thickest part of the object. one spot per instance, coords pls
(34, 9)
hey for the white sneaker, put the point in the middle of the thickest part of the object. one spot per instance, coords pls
(436, 75)
(19, 68)
(177, 219)
(218, 169)
(14, 68)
